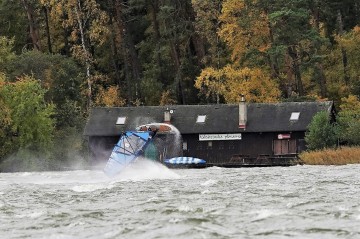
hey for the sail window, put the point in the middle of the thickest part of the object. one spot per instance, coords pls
(294, 116)
(201, 119)
(120, 120)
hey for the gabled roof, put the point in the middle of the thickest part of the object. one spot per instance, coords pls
(223, 118)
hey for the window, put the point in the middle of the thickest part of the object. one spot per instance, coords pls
(120, 120)
(201, 119)
(294, 116)
(184, 145)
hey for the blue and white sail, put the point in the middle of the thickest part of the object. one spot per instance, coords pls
(130, 146)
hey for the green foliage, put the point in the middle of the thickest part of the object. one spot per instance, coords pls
(306, 46)
(5, 121)
(28, 136)
(321, 133)
(31, 116)
(153, 52)
(13, 23)
(286, 24)
(349, 127)
(6, 53)
(151, 91)
(349, 121)
(61, 77)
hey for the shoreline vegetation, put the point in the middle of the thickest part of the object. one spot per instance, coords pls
(338, 156)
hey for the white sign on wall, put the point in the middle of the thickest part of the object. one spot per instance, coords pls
(208, 137)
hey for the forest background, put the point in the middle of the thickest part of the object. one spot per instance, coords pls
(59, 58)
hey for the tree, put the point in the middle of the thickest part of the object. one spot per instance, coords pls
(31, 116)
(87, 24)
(62, 77)
(31, 128)
(30, 9)
(350, 42)
(13, 23)
(295, 38)
(321, 132)
(6, 53)
(109, 97)
(348, 120)
(230, 83)
(5, 121)
(244, 27)
(207, 24)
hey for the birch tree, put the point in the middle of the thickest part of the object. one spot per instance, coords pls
(87, 25)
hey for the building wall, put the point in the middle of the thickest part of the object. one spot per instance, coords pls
(251, 145)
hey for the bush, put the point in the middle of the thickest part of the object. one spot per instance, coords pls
(321, 133)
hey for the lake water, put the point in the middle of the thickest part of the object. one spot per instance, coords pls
(152, 201)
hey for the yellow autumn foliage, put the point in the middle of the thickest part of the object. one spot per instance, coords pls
(252, 32)
(69, 14)
(109, 97)
(210, 82)
(167, 98)
(350, 42)
(5, 119)
(255, 84)
(350, 103)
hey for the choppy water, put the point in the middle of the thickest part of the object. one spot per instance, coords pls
(151, 201)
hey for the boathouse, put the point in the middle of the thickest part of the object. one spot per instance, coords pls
(244, 134)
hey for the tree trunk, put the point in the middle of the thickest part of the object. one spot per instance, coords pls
(33, 28)
(176, 60)
(321, 79)
(154, 8)
(129, 45)
(273, 62)
(199, 46)
(296, 69)
(45, 9)
(343, 51)
(114, 52)
(85, 52)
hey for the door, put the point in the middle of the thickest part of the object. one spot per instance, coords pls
(284, 146)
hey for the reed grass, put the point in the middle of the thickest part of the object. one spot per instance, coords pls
(339, 156)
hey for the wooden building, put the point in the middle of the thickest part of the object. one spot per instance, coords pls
(244, 134)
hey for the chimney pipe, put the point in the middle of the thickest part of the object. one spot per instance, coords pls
(242, 113)
(167, 116)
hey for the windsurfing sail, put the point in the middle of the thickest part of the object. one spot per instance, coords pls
(130, 146)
